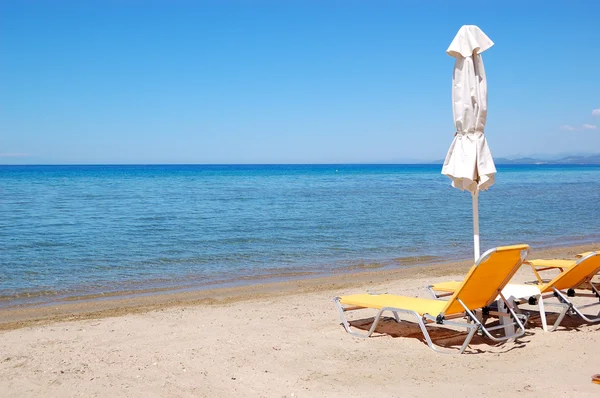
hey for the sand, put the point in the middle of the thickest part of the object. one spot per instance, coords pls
(280, 339)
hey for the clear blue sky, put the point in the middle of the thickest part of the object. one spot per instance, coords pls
(287, 81)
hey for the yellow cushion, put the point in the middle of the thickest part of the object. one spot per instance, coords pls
(449, 287)
(552, 263)
(378, 301)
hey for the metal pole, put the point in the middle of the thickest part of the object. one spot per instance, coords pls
(476, 223)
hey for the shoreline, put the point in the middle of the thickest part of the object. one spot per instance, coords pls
(174, 285)
(180, 284)
(135, 302)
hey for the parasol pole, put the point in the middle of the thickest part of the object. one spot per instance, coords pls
(475, 196)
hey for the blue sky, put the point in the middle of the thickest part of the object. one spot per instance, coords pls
(288, 81)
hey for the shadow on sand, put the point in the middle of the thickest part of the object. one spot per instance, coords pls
(568, 324)
(446, 338)
(453, 339)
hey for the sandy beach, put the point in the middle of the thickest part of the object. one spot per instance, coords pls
(280, 339)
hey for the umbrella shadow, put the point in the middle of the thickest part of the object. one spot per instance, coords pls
(443, 337)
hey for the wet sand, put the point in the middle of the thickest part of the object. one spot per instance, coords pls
(278, 339)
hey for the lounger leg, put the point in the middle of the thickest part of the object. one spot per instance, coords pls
(468, 339)
(471, 328)
(542, 311)
(432, 292)
(346, 324)
(594, 289)
(564, 309)
(537, 275)
(597, 293)
(585, 317)
(520, 319)
(437, 296)
(421, 321)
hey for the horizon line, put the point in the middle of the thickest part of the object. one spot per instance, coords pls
(433, 163)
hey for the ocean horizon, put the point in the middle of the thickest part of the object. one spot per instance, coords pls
(74, 230)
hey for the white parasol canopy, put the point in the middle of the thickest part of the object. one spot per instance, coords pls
(469, 162)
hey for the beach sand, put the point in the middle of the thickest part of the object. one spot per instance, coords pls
(280, 339)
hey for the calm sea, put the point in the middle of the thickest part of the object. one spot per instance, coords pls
(74, 230)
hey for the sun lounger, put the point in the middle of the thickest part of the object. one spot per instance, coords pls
(563, 287)
(479, 290)
(540, 265)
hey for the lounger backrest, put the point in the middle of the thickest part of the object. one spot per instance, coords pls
(585, 267)
(487, 278)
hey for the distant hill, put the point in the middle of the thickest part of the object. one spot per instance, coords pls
(589, 159)
(592, 159)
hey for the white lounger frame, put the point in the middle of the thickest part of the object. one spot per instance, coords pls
(568, 307)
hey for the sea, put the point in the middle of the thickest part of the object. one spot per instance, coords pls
(77, 231)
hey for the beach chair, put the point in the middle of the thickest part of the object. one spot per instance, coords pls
(567, 284)
(540, 265)
(480, 288)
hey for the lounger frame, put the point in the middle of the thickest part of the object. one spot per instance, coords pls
(472, 324)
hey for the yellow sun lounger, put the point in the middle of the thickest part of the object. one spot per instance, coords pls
(538, 265)
(563, 286)
(480, 288)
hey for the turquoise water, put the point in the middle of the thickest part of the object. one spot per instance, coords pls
(73, 230)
